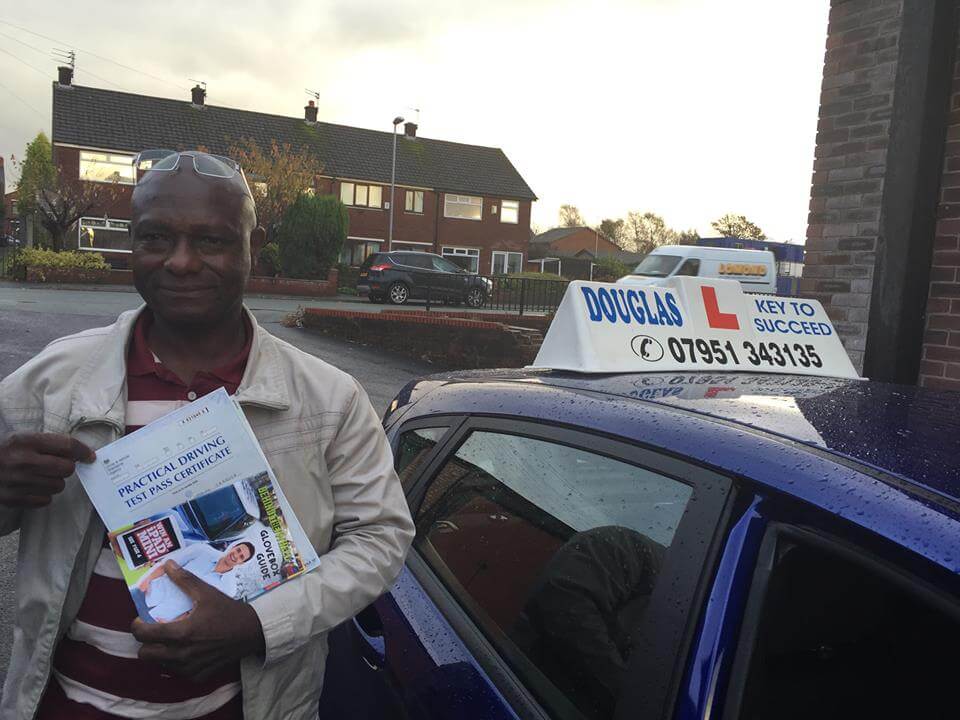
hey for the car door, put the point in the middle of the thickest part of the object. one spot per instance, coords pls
(421, 271)
(841, 623)
(451, 283)
(555, 573)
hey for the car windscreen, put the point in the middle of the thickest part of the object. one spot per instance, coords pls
(657, 265)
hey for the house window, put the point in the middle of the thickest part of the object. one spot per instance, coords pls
(107, 167)
(467, 258)
(414, 201)
(465, 207)
(506, 263)
(356, 250)
(411, 246)
(361, 195)
(105, 235)
(510, 211)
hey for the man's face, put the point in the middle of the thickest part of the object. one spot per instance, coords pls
(237, 555)
(191, 246)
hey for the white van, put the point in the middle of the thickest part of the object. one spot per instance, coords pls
(755, 269)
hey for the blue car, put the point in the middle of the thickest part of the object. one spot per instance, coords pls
(665, 545)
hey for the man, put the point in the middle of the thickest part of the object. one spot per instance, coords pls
(78, 650)
(160, 597)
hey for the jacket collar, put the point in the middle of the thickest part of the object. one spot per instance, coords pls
(100, 390)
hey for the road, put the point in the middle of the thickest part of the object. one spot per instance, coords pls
(30, 317)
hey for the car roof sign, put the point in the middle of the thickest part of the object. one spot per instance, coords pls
(690, 324)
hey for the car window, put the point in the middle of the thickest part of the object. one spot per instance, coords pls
(836, 638)
(555, 551)
(418, 260)
(412, 449)
(444, 265)
(690, 268)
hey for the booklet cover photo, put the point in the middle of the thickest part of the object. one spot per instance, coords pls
(195, 488)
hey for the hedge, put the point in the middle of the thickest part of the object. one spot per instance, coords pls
(49, 260)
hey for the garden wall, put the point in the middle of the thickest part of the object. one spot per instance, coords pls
(448, 342)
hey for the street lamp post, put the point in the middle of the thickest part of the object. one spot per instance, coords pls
(393, 181)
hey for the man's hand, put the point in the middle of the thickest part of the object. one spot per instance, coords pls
(218, 631)
(33, 467)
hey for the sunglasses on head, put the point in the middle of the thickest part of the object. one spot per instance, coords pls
(217, 166)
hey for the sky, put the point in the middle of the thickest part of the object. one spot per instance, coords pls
(687, 108)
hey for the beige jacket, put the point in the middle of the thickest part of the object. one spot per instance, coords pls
(329, 453)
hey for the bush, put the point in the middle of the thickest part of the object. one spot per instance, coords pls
(609, 269)
(311, 236)
(269, 259)
(35, 257)
(348, 275)
(50, 260)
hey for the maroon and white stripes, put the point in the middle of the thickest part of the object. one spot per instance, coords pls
(96, 672)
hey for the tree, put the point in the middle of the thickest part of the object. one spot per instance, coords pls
(737, 226)
(646, 231)
(613, 230)
(55, 200)
(278, 175)
(37, 173)
(311, 235)
(59, 208)
(570, 216)
(688, 237)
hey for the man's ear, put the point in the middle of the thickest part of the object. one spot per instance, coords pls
(258, 238)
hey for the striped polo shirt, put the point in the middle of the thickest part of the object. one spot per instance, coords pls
(96, 672)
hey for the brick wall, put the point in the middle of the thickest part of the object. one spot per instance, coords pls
(448, 342)
(940, 366)
(850, 163)
(488, 233)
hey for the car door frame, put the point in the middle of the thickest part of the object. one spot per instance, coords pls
(856, 550)
(659, 658)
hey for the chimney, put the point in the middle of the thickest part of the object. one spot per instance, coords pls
(410, 129)
(65, 75)
(310, 112)
(197, 94)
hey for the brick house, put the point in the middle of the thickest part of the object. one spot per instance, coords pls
(11, 222)
(465, 202)
(884, 225)
(572, 242)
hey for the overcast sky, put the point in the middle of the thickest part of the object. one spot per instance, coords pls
(688, 108)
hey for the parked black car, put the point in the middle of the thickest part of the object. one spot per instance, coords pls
(401, 276)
